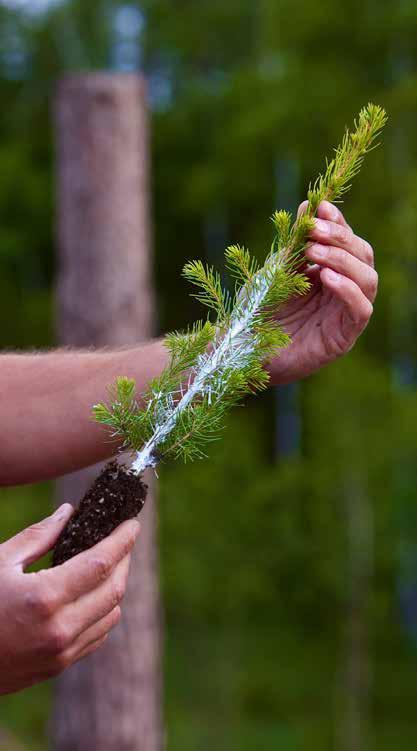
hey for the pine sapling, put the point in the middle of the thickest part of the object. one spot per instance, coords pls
(217, 362)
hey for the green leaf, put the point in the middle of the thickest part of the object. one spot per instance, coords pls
(211, 291)
(241, 264)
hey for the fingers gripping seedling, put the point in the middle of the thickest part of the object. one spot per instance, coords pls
(216, 363)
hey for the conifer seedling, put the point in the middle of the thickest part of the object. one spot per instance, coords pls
(218, 361)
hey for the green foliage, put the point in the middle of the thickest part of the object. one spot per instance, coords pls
(283, 224)
(211, 292)
(332, 184)
(241, 264)
(180, 420)
(336, 181)
(120, 418)
(186, 347)
(196, 427)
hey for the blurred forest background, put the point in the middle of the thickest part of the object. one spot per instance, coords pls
(289, 560)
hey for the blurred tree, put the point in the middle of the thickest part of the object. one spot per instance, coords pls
(103, 191)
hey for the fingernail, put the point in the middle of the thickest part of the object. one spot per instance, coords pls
(322, 226)
(136, 527)
(62, 512)
(318, 251)
(333, 275)
(333, 212)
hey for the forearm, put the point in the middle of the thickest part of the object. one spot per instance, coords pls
(45, 408)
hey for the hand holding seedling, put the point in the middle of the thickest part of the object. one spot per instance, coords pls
(308, 303)
(283, 321)
(312, 297)
(219, 361)
(325, 323)
(53, 618)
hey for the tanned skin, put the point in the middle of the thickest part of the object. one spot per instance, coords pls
(53, 618)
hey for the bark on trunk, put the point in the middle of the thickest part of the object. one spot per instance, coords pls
(112, 700)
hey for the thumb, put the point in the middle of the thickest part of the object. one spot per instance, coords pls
(32, 543)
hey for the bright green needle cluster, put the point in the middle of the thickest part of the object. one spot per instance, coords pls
(217, 362)
(134, 424)
(332, 184)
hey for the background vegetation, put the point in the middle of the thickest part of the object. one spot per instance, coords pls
(289, 560)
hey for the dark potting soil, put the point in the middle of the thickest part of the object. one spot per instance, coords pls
(116, 495)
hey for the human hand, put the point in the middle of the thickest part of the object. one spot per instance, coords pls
(325, 323)
(53, 618)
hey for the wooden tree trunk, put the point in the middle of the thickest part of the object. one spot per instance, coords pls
(110, 701)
